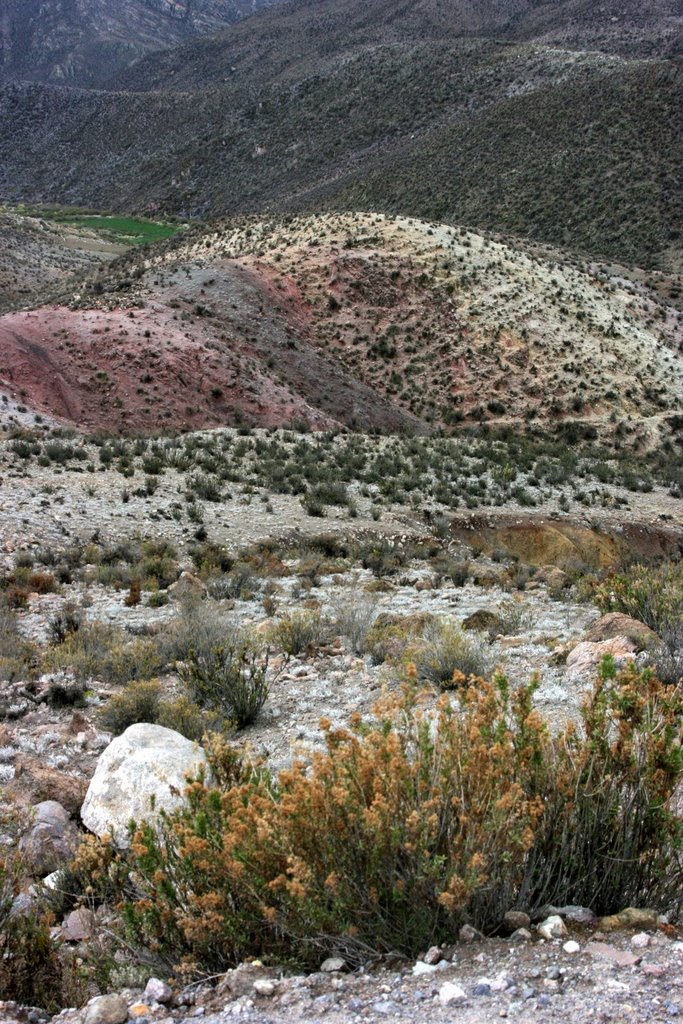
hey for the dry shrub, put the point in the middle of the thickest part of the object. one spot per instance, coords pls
(424, 819)
(31, 970)
(100, 651)
(300, 631)
(651, 595)
(445, 654)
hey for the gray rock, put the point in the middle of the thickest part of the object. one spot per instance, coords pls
(552, 928)
(332, 964)
(140, 773)
(157, 991)
(52, 840)
(110, 1009)
(469, 934)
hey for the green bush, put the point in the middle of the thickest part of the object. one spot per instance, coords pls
(139, 702)
(425, 819)
(652, 595)
(230, 681)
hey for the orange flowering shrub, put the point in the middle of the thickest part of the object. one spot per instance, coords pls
(412, 823)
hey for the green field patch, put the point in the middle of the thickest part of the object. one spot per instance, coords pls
(120, 229)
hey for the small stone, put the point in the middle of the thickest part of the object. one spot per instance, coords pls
(521, 935)
(157, 991)
(528, 992)
(571, 947)
(552, 928)
(433, 955)
(138, 1011)
(482, 988)
(469, 934)
(451, 994)
(332, 964)
(554, 973)
(78, 925)
(654, 970)
(264, 987)
(551, 984)
(110, 1009)
(421, 968)
(640, 940)
(385, 1007)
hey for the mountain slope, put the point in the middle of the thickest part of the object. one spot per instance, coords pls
(451, 111)
(360, 320)
(84, 41)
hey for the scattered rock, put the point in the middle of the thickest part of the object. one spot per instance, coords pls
(157, 991)
(571, 947)
(640, 940)
(469, 934)
(451, 994)
(140, 773)
(615, 624)
(552, 928)
(332, 964)
(631, 917)
(112, 1009)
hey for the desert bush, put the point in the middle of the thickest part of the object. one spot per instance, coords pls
(668, 658)
(139, 702)
(514, 618)
(31, 970)
(64, 622)
(425, 819)
(300, 631)
(445, 655)
(230, 681)
(652, 595)
(17, 656)
(100, 651)
(144, 702)
(353, 619)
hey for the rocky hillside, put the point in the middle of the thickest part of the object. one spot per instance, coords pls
(368, 321)
(453, 112)
(81, 43)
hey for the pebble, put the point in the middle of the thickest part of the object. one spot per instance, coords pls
(451, 994)
(552, 928)
(571, 947)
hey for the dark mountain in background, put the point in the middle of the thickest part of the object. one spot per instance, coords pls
(82, 42)
(556, 121)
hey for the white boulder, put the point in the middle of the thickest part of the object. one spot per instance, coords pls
(140, 773)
